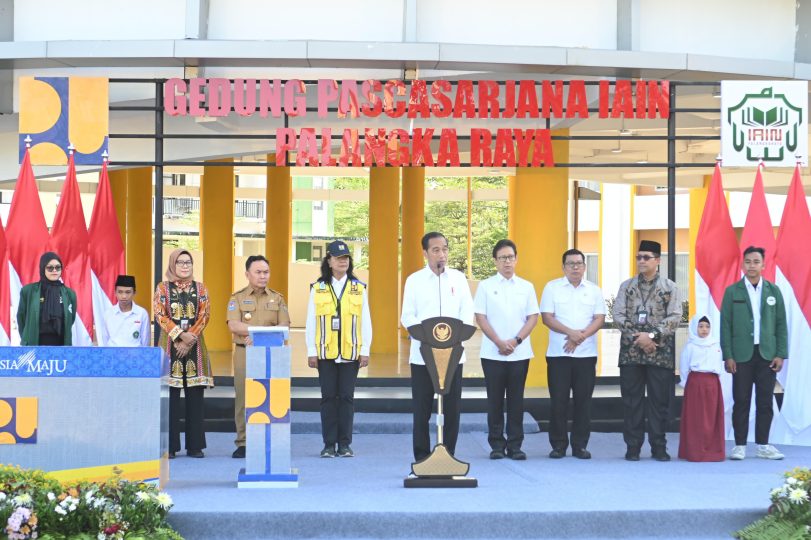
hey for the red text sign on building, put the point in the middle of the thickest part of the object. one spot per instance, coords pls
(463, 100)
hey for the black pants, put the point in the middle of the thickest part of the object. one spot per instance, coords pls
(422, 402)
(195, 432)
(505, 377)
(576, 375)
(634, 381)
(337, 400)
(756, 371)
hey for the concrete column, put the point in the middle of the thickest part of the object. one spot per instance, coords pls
(217, 244)
(413, 208)
(279, 225)
(138, 228)
(539, 201)
(384, 207)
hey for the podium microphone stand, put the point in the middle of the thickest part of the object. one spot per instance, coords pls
(441, 348)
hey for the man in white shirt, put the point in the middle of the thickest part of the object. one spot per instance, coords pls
(432, 292)
(574, 310)
(506, 310)
(126, 323)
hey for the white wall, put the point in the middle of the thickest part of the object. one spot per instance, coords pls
(323, 20)
(650, 211)
(53, 20)
(737, 28)
(551, 23)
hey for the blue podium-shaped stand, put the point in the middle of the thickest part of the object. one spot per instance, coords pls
(267, 411)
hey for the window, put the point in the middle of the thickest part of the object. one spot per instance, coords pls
(592, 267)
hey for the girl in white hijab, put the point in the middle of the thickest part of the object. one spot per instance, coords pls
(702, 414)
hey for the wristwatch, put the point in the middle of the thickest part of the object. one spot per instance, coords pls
(652, 335)
(518, 340)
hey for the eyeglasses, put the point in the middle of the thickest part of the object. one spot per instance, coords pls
(183, 263)
(645, 257)
(54, 268)
(574, 264)
(505, 258)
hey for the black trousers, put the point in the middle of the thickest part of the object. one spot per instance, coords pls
(195, 432)
(502, 378)
(422, 403)
(576, 375)
(634, 382)
(337, 382)
(756, 371)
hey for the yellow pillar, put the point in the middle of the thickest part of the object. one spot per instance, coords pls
(217, 244)
(118, 187)
(139, 231)
(279, 225)
(540, 203)
(698, 198)
(413, 209)
(384, 206)
(510, 207)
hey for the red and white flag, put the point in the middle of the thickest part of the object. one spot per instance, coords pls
(26, 237)
(69, 239)
(717, 267)
(106, 251)
(758, 231)
(5, 292)
(794, 279)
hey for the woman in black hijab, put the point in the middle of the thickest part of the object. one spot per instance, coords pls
(47, 307)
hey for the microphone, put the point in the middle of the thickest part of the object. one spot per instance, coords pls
(440, 266)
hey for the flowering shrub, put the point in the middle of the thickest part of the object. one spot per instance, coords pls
(35, 505)
(789, 516)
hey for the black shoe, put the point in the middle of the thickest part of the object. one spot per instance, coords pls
(328, 451)
(581, 453)
(171, 455)
(660, 454)
(632, 454)
(497, 454)
(195, 453)
(345, 451)
(557, 453)
(517, 455)
(239, 452)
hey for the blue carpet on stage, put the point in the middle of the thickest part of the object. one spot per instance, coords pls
(363, 497)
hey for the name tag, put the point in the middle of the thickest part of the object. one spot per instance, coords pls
(642, 317)
(336, 323)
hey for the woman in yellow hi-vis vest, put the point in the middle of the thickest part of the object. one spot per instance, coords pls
(338, 334)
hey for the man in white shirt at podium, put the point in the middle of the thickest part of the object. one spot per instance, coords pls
(432, 292)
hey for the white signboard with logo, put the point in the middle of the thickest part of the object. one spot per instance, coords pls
(764, 120)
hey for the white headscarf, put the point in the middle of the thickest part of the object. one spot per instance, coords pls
(708, 341)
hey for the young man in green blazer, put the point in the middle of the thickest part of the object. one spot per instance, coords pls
(754, 342)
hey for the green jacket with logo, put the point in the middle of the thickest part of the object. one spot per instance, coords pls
(738, 327)
(28, 313)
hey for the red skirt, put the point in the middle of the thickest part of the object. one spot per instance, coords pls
(702, 419)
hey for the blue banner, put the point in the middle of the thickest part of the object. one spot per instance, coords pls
(117, 362)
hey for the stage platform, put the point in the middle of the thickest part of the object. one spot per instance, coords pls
(363, 497)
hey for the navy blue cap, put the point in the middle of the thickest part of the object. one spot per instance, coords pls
(338, 248)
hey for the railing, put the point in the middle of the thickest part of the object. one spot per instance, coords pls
(250, 209)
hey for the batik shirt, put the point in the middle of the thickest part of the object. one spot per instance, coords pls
(184, 310)
(661, 300)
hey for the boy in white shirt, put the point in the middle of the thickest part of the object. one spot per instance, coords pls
(126, 324)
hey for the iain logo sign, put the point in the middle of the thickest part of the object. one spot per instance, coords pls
(764, 120)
